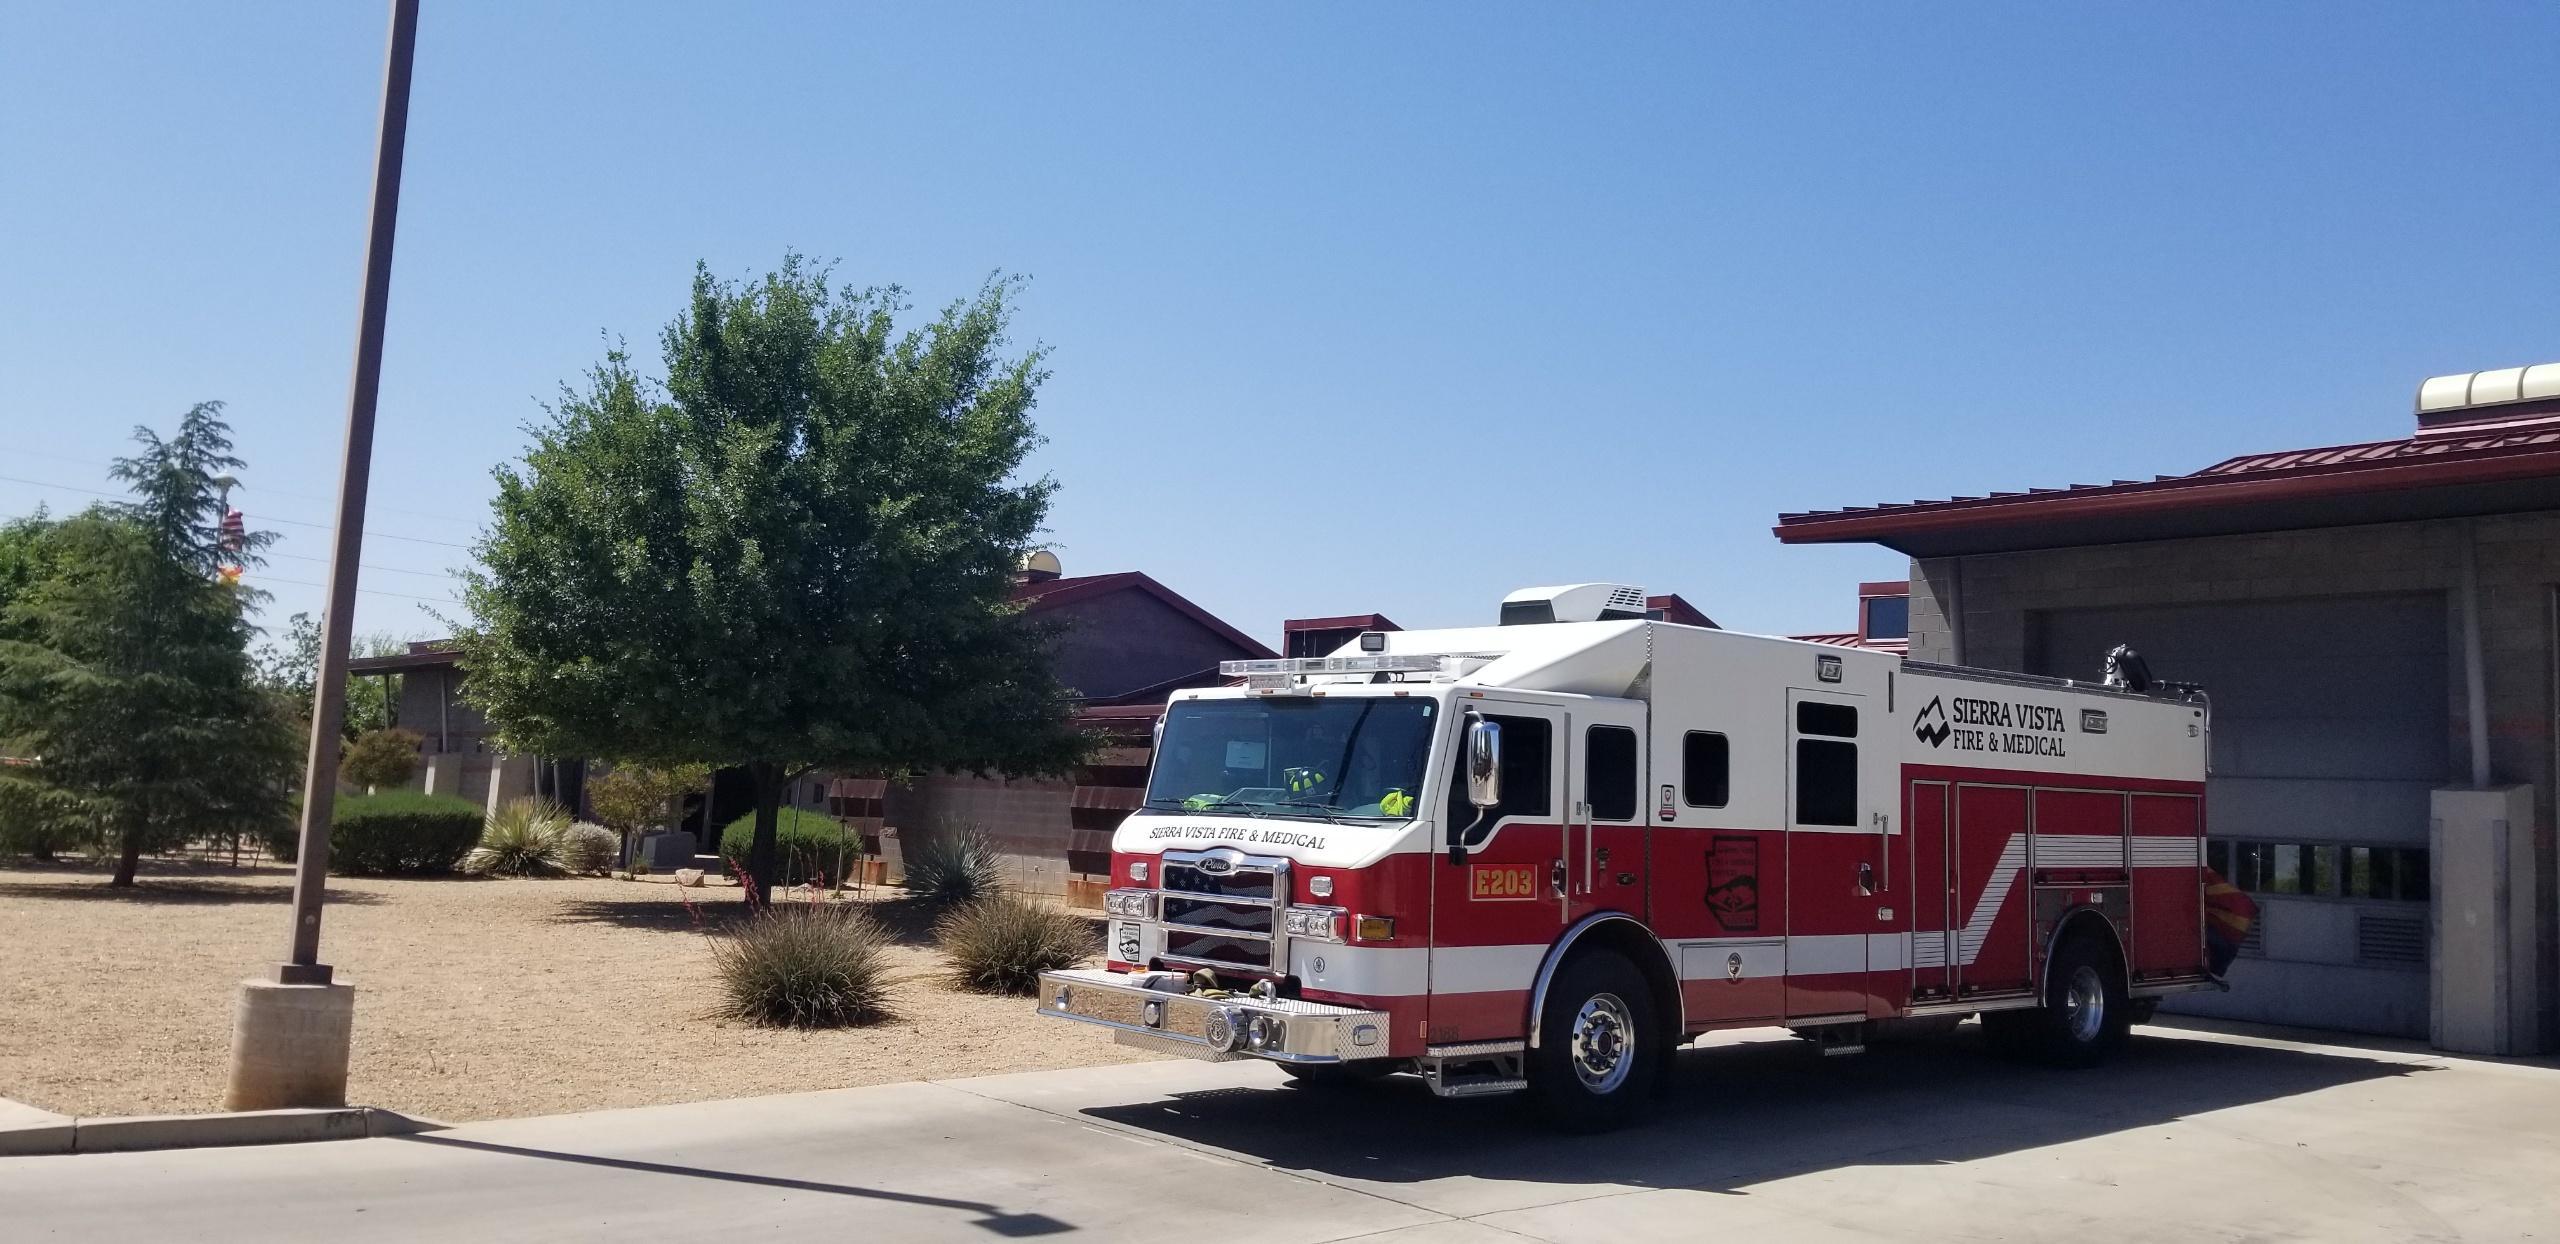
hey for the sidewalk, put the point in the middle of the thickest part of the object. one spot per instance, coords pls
(2206, 1135)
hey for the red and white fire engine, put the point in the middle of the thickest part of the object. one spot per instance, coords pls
(1538, 856)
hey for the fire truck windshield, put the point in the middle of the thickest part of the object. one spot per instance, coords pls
(1332, 758)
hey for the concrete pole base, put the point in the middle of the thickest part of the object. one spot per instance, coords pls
(289, 1046)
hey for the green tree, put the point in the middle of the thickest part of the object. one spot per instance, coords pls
(380, 758)
(124, 669)
(24, 829)
(131, 689)
(794, 551)
(290, 665)
(633, 799)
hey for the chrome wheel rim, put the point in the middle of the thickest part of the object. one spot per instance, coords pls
(1603, 1046)
(2084, 1005)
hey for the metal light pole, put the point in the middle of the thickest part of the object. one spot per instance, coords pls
(290, 1032)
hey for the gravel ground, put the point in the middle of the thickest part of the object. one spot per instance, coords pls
(474, 999)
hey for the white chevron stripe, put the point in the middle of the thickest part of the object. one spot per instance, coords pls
(2052, 851)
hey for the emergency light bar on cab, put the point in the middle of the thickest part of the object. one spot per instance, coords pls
(1537, 856)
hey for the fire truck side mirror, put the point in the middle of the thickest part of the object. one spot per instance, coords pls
(1484, 762)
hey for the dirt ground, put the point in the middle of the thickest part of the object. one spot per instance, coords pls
(475, 999)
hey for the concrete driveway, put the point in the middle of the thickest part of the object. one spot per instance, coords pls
(2195, 1135)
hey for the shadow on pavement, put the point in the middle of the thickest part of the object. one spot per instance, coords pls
(163, 891)
(990, 1217)
(1750, 1113)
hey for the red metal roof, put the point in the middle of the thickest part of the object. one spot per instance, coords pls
(2427, 476)
(1042, 594)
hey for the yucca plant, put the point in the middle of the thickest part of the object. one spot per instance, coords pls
(525, 838)
(956, 866)
(1002, 943)
(804, 965)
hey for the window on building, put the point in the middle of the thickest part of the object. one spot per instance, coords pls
(1609, 773)
(2321, 869)
(1826, 766)
(1706, 770)
(1888, 617)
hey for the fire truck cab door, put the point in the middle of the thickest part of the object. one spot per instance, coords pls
(1845, 951)
(1605, 831)
(1493, 917)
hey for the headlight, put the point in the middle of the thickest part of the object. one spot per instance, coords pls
(1320, 923)
(1129, 903)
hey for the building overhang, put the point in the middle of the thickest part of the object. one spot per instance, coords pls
(2392, 481)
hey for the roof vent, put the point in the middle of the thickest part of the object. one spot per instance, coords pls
(2477, 399)
(1573, 602)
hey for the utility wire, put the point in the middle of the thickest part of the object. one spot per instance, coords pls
(425, 574)
(432, 600)
(264, 518)
(298, 496)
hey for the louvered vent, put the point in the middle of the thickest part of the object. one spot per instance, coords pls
(2391, 940)
(2254, 946)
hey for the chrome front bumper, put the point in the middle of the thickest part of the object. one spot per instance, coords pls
(1280, 1029)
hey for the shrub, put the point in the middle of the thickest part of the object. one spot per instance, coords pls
(804, 965)
(526, 838)
(400, 832)
(808, 846)
(282, 840)
(1003, 942)
(955, 866)
(382, 758)
(587, 847)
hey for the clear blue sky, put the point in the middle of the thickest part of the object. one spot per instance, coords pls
(1353, 307)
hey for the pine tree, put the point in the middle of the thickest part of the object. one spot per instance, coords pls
(125, 673)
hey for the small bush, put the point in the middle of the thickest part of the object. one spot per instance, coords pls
(809, 846)
(587, 847)
(382, 758)
(954, 867)
(526, 838)
(1002, 943)
(804, 965)
(399, 832)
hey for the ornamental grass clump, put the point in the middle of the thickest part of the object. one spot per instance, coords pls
(1002, 943)
(803, 965)
(525, 838)
(956, 866)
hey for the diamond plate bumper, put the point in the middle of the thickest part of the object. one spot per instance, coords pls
(1213, 1028)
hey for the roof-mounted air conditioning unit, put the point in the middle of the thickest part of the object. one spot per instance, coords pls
(1574, 602)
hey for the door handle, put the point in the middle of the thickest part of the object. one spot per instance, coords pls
(1866, 879)
(1555, 877)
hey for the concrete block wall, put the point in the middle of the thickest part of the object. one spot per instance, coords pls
(1980, 610)
(1028, 820)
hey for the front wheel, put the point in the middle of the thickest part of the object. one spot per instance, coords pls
(1599, 1045)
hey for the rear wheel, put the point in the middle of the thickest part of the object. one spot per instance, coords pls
(2085, 1016)
(1599, 1047)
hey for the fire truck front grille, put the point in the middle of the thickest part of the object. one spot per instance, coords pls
(1201, 914)
(1221, 908)
(1240, 879)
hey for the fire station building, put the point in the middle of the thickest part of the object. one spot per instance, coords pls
(2375, 626)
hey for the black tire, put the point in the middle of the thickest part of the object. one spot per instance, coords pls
(1338, 1075)
(1604, 1081)
(2085, 1017)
